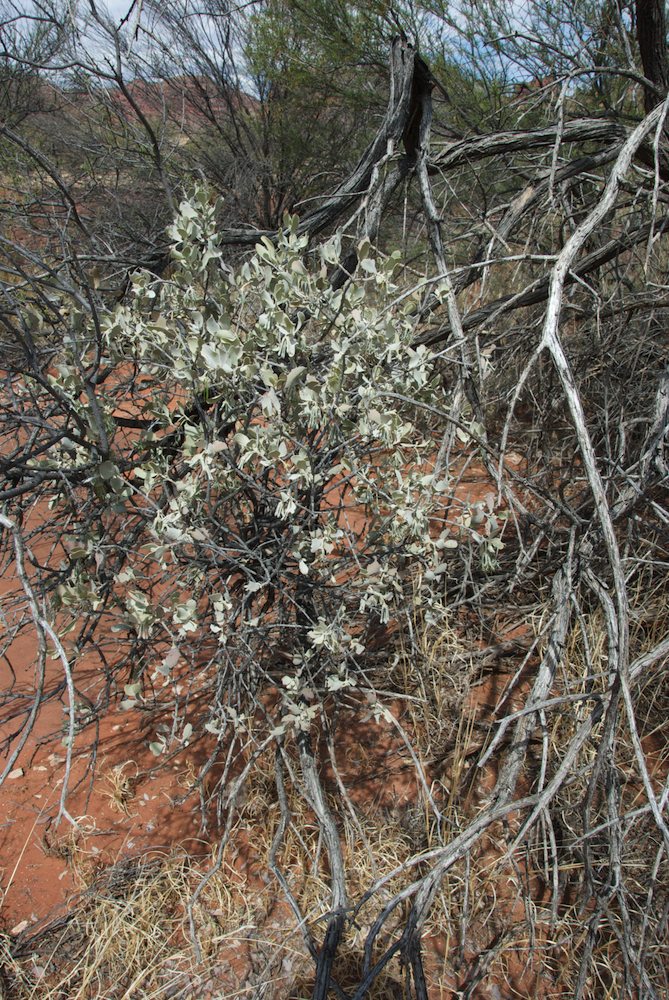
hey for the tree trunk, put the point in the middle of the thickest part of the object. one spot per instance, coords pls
(651, 33)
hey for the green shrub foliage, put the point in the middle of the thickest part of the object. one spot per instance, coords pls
(260, 498)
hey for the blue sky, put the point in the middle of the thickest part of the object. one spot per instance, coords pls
(118, 8)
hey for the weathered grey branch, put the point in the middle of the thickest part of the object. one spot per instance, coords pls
(538, 291)
(403, 59)
(337, 917)
(499, 143)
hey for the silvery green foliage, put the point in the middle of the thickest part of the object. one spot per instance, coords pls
(281, 494)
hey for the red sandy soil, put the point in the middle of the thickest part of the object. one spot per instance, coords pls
(35, 877)
(130, 807)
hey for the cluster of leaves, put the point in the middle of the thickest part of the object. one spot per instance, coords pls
(262, 468)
